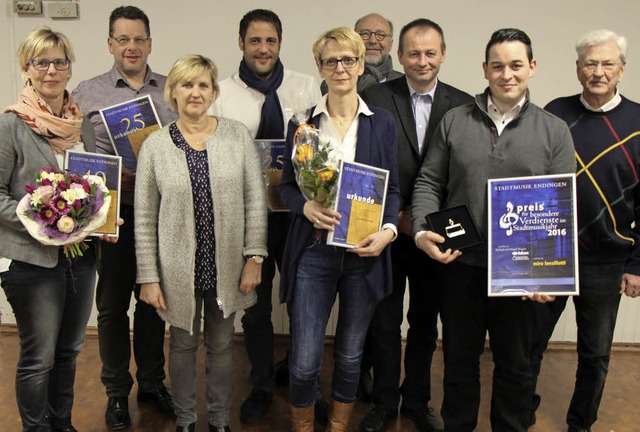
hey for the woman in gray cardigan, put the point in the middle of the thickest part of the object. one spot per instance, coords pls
(200, 230)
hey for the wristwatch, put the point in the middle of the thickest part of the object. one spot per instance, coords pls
(258, 259)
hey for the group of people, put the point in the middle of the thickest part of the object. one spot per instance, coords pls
(197, 244)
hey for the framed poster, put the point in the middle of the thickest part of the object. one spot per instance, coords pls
(360, 199)
(272, 154)
(128, 125)
(533, 244)
(109, 168)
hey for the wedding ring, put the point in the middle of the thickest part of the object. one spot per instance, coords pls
(317, 221)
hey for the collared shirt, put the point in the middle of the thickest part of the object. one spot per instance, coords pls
(502, 120)
(343, 148)
(614, 102)
(110, 89)
(421, 104)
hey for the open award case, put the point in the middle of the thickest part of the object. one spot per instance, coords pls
(457, 227)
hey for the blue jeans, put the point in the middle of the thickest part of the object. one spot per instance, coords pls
(323, 273)
(183, 348)
(52, 308)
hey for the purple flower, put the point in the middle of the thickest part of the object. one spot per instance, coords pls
(30, 188)
(60, 204)
(62, 185)
(47, 215)
(77, 205)
(46, 182)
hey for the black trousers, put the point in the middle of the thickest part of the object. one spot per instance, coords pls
(256, 321)
(384, 346)
(116, 283)
(467, 315)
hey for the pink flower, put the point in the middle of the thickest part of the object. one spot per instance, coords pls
(45, 193)
(30, 188)
(77, 205)
(62, 185)
(65, 224)
(46, 215)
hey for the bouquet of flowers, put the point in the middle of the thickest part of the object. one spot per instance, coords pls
(62, 209)
(316, 174)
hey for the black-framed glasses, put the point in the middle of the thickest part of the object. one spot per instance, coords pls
(43, 65)
(332, 63)
(380, 35)
(124, 40)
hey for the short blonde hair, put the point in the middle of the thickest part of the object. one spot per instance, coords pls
(42, 39)
(187, 68)
(346, 37)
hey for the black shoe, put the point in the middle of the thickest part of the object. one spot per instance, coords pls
(322, 411)
(160, 399)
(117, 414)
(254, 407)
(65, 429)
(377, 420)
(365, 386)
(213, 428)
(281, 371)
(423, 419)
(189, 428)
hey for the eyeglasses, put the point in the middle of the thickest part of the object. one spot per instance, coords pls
(124, 40)
(43, 65)
(607, 66)
(380, 35)
(332, 63)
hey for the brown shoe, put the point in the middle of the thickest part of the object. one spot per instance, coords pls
(302, 418)
(340, 416)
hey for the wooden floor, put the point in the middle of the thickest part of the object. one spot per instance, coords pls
(619, 412)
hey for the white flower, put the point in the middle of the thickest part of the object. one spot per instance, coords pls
(65, 224)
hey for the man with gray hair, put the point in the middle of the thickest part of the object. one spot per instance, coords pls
(377, 33)
(605, 127)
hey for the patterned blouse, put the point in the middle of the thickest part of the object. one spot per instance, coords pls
(205, 271)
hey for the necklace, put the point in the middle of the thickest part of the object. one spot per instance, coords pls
(198, 140)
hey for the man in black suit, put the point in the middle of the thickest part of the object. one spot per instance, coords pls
(418, 102)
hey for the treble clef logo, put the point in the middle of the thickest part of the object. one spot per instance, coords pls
(509, 219)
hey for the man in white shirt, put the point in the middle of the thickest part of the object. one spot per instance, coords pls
(264, 95)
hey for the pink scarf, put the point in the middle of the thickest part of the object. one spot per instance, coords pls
(62, 132)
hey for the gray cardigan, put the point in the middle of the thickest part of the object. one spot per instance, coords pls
(165, 223)
(22, 154)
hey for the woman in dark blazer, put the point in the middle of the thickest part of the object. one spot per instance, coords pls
(314, 273)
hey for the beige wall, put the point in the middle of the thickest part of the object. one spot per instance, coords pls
(211, 28)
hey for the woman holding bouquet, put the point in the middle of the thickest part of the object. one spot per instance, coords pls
(51, 295)
(314, 273)
(200, 230)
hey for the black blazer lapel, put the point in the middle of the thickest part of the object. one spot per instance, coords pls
(439, 108)
(402, 101)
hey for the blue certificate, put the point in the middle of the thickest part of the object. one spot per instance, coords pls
(109, 168)
(532, 236)
(128, 125)
(360, 199)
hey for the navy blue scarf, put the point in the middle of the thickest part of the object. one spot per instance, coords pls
(271, 117)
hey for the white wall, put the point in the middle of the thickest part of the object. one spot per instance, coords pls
(211, 28)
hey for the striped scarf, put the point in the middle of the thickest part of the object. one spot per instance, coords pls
(62, 132)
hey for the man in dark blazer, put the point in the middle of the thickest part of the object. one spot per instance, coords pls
(418, 102)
